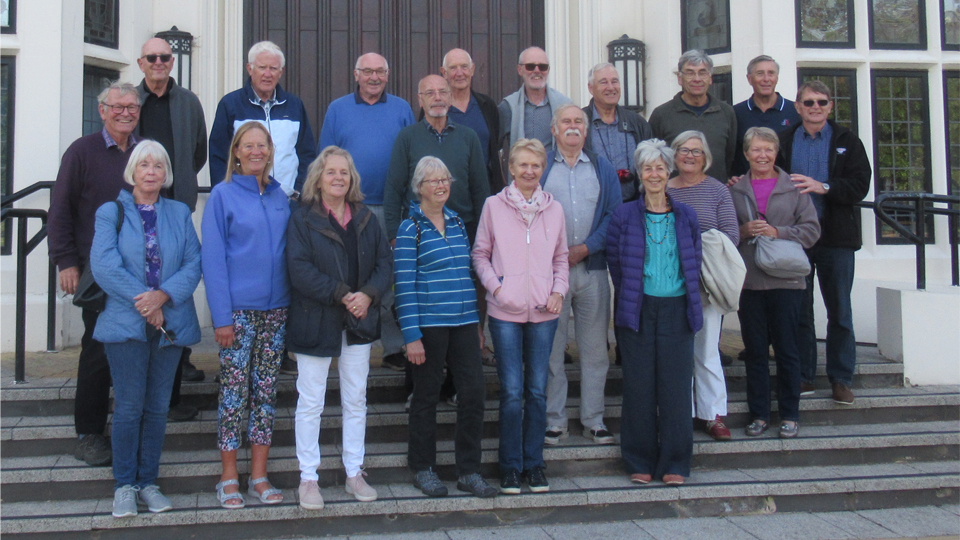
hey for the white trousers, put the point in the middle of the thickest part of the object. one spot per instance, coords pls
(354, 365)
(709, 386)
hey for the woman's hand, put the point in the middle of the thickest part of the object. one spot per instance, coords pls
(224, 336)
(155, 318)
(357, 303)
(150, 302)
(758, 227)
(554, 303)
(415, 353)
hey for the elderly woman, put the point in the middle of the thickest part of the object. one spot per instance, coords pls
(146, 257)
(245, 273)
(653, 248)
(437, 308)
(711, 201)
(520, 256)
(768, 204)
(339, 266)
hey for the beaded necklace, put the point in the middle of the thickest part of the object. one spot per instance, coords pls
(651, 221)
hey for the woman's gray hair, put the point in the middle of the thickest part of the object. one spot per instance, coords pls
(266, 47)
(762, 133)
(651, 150)
(694, 134)
(695, 57)
(427, 166)
(144, 149)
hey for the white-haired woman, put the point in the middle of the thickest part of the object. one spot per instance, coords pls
(146, 257)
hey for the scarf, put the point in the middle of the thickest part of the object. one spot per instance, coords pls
(528, 209)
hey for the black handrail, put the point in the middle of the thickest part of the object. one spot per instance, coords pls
(8, 200)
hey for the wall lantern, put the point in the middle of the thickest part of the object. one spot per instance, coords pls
(182, 45)
(628, 55)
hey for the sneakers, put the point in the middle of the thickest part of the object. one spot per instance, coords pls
(717, 429)
(288, 366)
(807, 388)
(429, 483)
(452, 401)
(359, 488)
(182, 412)
(842, 394)
(756, 428)
(554, 434)
(150, 496)
(309, 495)
(601, 435)
(396, 361)
(94, 450)
(537, 480)
(789, 430)
(510, 482)
(125, 501)
(476, 485)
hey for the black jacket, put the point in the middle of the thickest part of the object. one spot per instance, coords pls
(316, 262)
(629, 122)
(849, 181)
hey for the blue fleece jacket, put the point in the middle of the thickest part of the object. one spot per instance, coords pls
(610, 198)
(118, 261)
(244, 238)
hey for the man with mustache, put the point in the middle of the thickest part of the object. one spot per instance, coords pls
(586, 186)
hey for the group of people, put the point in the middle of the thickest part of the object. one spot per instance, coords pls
(418, 233)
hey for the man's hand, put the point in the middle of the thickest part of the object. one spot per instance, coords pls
(69, 278)
(415, 353)
(733, 180)
(807, 185)
(578, 253)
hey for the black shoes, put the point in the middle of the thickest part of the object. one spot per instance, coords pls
(510, 482)
(181, 413)
(288, 366)
(536, 479)
(476, 485)
(94, 450)
(191, 373)
(396, 361)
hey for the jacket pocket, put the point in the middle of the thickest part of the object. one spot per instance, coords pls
(303, 325)
(513, 294)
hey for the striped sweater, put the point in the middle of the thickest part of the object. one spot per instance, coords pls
(432, 280)
(713, 204)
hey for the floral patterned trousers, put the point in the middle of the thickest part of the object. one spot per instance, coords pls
(248, 373)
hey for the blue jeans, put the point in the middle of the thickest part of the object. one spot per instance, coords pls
(523, 361)
(834, 268)
(656, 429)
(767, 316)
(143, 375)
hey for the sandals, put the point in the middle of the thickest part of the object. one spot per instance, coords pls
(252, 491)
(224, 497)
(488, 357)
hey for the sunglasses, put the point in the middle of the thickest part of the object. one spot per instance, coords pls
(151, 58)
(532, 67)
(820, 102)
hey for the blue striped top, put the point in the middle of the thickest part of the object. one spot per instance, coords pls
(432, 281)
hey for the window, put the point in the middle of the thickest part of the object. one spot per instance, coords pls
(950, 25)
(825, 23)
(898, 24)
(101, 22)
(843, 86)
(706, 25)
(8, 17)
(951, 94)
(8, 87)
(94, 81)
(722, 88)
(901, 139)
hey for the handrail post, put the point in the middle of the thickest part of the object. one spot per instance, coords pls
(21, 336)
(921, 214)
(51, 306)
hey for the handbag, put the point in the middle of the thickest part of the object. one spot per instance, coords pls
(89, 295)
(368, 328)
(779, 257)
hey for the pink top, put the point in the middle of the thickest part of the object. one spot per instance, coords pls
(762, 187)
(347, 215)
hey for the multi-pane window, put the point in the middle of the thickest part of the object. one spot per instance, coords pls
(898, 24)
(7, 95)
(722, 88)
(951, 93)
(94, 81)
(825, 23)
(901, 139)
(101, 22)
(843, 87)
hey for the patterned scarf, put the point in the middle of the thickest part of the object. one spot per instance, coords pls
(528, 209)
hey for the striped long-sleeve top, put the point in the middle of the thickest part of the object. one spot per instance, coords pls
(432, 278)
(713, 204)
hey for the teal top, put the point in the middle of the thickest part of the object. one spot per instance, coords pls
(661, 259)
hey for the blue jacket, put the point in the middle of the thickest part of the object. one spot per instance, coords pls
(432, 280)
(610, 198)
(244, 237)
(626, 247)
(289, 128)
(118, 262)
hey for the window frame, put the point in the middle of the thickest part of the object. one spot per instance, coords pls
(922, 13)
(804, 72)
(683, 29)
(726, 78)
(947, 75)
(7, 181)
(11, 28)
(943, 30)
(115, 44)
(851, 31)
(110, 74)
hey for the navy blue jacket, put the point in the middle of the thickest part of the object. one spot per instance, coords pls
(626, 248)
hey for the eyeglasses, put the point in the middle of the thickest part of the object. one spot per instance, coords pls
(434, 182)
(684, 151)
(366, 72)
(820, 102)
(118, 109)
(691, 75)
(532, 67)
(434, 93)
(151, 58)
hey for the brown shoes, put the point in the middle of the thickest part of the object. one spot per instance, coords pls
(807, 388)
(842, 394)
(717, 429)
(672, 479)
(640, 478)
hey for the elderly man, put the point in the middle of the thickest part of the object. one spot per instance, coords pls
(456, 145)
(576, 176)
(366, 123)
(765, 108)
(527, 112)
(694, 108)
(91, 174)
(172, 116)
(614, 131)
(263, 100)
(830, 163)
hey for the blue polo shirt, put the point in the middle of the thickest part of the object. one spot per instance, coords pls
(473, 119)
(779, 118)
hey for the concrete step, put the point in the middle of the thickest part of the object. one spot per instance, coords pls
(707, 493)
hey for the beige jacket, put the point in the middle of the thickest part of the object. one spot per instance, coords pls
(722, 272)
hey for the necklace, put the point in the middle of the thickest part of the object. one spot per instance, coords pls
(661, 221)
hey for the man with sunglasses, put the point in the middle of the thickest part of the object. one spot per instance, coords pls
(173, 116)
(830, 163)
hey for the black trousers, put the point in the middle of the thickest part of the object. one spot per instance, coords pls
(92, 402)
(178, 378)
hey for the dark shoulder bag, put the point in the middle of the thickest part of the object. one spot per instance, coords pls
(89, 295)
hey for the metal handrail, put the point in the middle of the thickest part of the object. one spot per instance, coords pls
(7, 200)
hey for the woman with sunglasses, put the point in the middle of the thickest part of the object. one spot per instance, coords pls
(146, 257)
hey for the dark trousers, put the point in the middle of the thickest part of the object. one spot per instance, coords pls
(656, 430)
(92, 402)
(178, 378)
(834, 268)
(457, 348)
(767, 316)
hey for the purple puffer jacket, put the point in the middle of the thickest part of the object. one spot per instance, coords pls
(626, 244)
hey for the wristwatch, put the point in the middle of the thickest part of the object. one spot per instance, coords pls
(826, 187)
